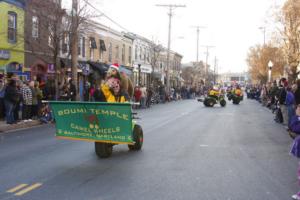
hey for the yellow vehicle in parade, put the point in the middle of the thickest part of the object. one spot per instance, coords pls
(236, 95)
(214, 96)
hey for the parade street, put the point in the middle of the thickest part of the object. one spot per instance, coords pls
(190, 152)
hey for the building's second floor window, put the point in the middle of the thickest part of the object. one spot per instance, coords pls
(12, 27)
(102, 48)
(136, 52)
(109, 52)
(141, 52)
(51, 36)
(35, 27)
(123, 53)
(65, 45)
(129, 55)
(117, 52)
(79, 45)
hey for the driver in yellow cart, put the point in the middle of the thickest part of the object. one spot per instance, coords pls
(237, 91)
(214, 92)
(110, 91)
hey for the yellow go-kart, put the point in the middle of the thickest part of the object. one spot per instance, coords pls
(214, 97)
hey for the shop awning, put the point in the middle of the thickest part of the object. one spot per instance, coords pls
(100, 67)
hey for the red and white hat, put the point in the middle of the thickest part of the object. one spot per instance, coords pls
(115, 66)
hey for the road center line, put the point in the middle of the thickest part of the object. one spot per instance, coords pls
(34, 186)
(17, 188)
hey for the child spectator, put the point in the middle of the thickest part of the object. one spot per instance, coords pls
(46, 115)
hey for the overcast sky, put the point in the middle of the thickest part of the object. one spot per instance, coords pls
(232, 26)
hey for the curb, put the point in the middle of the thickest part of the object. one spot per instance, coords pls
(20, 125)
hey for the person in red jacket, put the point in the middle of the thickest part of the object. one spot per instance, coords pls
(137, 94)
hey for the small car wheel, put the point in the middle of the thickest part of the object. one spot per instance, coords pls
(223, 103)
(103, 150)
(211, 102)
(138, 138)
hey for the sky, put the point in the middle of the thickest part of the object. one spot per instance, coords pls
(231, 26)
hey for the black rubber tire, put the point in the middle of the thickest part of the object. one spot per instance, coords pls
(205, 102)
(235, 101)
(103, 150)
(138, 138)
(211, 103)
(223, 103)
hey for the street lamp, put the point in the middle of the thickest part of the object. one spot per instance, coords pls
(270, 65)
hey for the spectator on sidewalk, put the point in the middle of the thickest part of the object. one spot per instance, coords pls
(290, 102)
(149, 96)
(10, 99)
(143, 96)
(281, 96)
(2, 93)
(36, 98)
(18, 108)
(72, 90)
(137, 95)
(46, 114)
(27, 101)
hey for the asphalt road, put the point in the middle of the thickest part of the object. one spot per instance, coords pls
(190, 152)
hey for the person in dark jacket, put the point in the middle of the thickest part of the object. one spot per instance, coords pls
(297, 92)
(11, 97)
(72, 90)
(290, 104)
(294, 125)
(281, 96)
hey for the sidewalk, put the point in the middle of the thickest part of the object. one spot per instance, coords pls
(20, 125)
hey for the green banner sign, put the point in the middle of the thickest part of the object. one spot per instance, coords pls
(95, 121)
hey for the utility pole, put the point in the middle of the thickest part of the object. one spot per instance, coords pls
(74, 43)
(206, 62)
(198, 31)
(215, 69)
(171, 8)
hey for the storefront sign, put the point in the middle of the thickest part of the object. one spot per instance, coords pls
(51, 68)
(4, 54)
(107, 122)
(144, 68)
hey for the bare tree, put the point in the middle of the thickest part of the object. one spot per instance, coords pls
(81, 14)
(290, 20)
(155, 52)
(59, 33)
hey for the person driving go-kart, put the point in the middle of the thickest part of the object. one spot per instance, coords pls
(236, 95)
(214, 92)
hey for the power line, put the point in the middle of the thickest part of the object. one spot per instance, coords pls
(103, 14)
